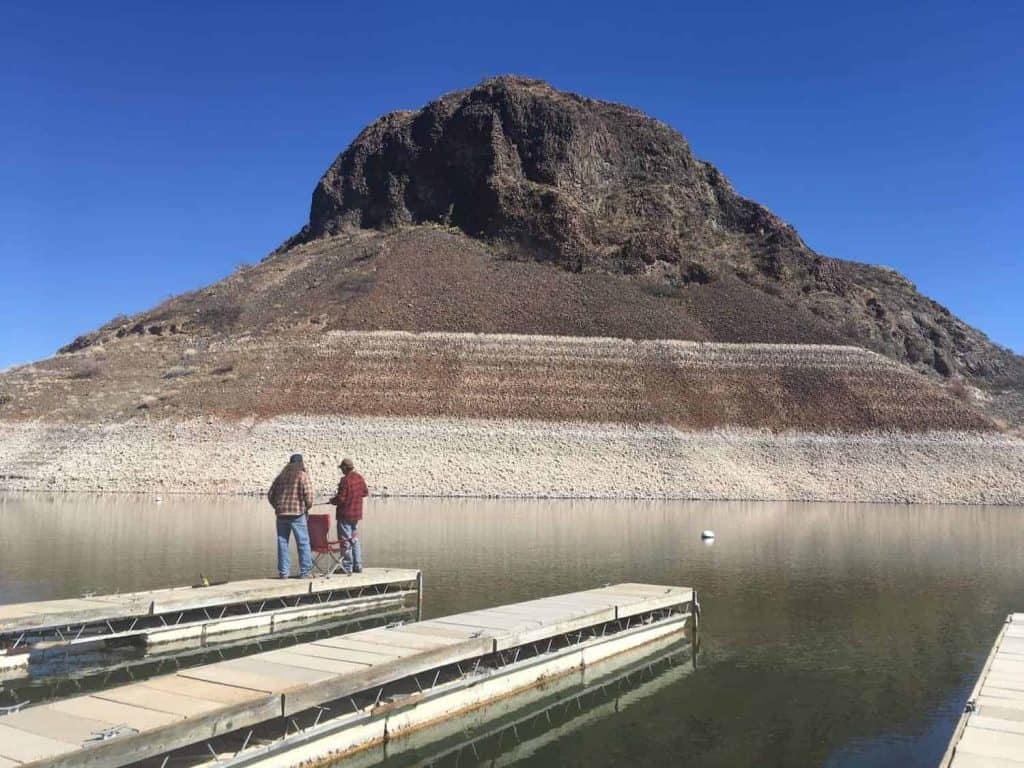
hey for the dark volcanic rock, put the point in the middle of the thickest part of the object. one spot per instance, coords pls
(578, 181)
(594, 186)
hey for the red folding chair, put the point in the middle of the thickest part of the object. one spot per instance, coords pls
(327, 554)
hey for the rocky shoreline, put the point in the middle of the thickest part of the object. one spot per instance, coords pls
(527, 459)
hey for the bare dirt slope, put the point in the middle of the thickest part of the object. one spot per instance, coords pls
(428, 278)
(312, 370)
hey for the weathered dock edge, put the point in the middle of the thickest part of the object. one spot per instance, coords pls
(374, 674)
(399, 721)
(990, 733)
(192, 613)
(558, 707)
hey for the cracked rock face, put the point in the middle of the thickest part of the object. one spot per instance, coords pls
(581, 182)
(594, 186)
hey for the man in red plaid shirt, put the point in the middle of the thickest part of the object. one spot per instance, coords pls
(349, 503)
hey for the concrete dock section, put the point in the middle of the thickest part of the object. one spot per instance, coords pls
(183, 614)
(990, 733)
(340, 694)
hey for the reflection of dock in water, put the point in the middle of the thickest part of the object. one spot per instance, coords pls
(514, 729)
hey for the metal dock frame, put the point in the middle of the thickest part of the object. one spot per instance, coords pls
(347, 692)
(991, 729)
(194, 614)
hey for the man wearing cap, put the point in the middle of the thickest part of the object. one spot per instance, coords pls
(291, 496)
(349, 503)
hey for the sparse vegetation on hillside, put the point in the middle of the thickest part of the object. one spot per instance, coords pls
(177, 371)
(86, 369)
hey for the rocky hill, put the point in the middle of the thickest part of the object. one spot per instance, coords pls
(513, 207)
(596, 186)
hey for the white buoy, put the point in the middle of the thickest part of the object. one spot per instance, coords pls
(707, 535)
(158, 499)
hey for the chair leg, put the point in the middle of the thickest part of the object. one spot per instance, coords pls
(335, 564)
(317, 556)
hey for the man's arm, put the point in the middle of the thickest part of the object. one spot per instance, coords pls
(336, 498)
(272, 493)
(306, 488)
(343, 494)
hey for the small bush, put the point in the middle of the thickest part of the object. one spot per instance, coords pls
(220, 370)
(6, 398)
(661, 290)
(177, 371)
(87, 369)
(959, 390)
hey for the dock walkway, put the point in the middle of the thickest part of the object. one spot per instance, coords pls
(231, 699)
(179, 613)
(991, 732)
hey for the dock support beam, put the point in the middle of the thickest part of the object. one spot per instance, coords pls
(419, 596)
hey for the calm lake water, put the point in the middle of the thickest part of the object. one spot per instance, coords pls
(833, 634)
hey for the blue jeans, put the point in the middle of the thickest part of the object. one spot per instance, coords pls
(348, 529)
(287, 525)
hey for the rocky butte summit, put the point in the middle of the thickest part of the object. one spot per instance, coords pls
(513, 207)
(591, 185)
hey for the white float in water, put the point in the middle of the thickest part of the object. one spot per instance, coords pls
(707, 535)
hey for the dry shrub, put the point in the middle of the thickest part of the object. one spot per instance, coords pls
(86, 369)
(177, 371)
(221, 370)
(959, 390)
(661, 290)
(6, 398)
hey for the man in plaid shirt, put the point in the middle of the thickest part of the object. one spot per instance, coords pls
(349, 504)
(291, 496)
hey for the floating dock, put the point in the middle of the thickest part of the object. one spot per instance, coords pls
(58, 676)
(30, 631)
(335, 696)
(991, 731)
(511, 730)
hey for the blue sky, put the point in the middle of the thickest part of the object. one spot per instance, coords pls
(149, 148)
